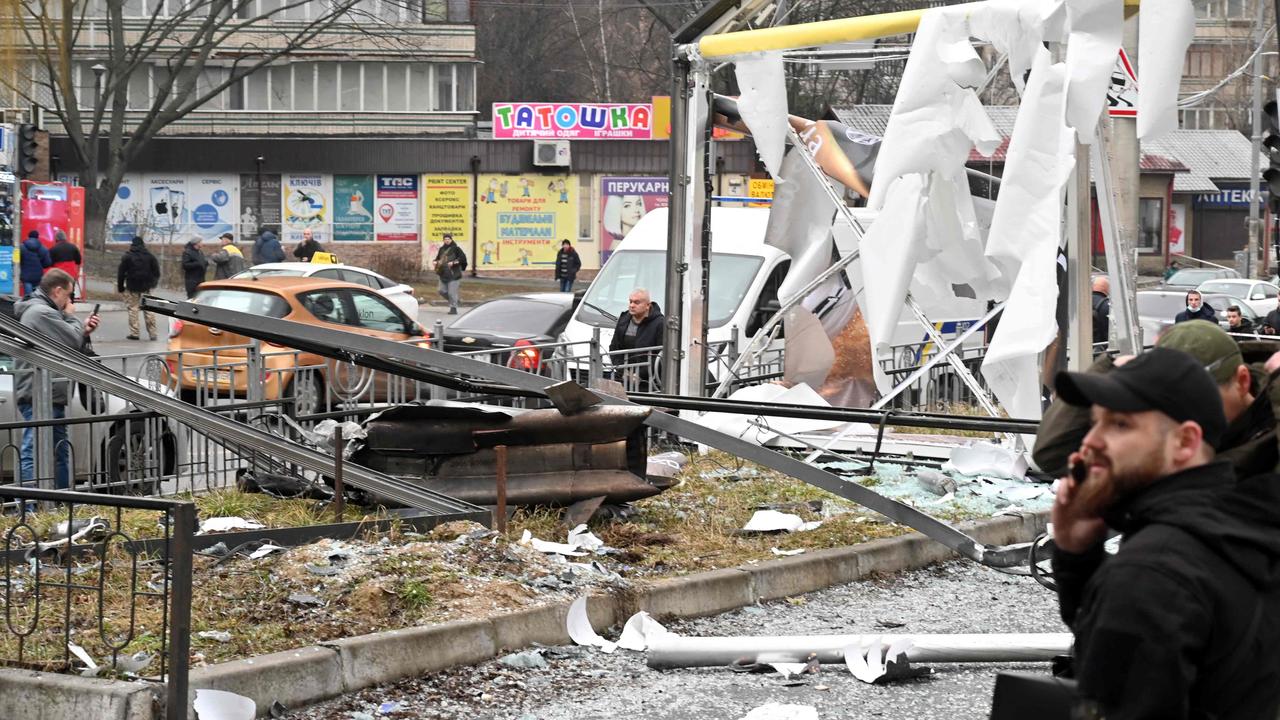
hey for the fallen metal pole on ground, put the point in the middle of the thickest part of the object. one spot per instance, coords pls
(402, 358)
(675, 651)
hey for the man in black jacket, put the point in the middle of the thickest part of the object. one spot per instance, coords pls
(194, 266)
(139, 273)
(1101, 301)
(642, 326)
(1196, 309)
(307, 249)
(567, 266)
(1183, 621)
(449, 264)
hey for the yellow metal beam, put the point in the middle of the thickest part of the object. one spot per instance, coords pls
(826, 32)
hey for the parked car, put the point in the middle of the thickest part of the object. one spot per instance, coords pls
(398, 293)
(111, 451)
(1158, 308)
(1257, 294)
(511, 322)
(1192, 278)
(203, 371)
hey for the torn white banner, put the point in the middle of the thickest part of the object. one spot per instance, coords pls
(1097, 27)
(763, 105)
(800, 224)
(774, 521)
(583, 539)
(222, 705)
(580, 631)
(985, 458)
(874, 661)
(224, 524)
(544, 546)
(1166, 28)
(810, 354)
(1026, 233)
(639, 631)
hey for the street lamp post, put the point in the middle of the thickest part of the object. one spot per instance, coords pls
(258, 200)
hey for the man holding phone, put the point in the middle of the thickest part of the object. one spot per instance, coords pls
(1181, 622)
(49, 312)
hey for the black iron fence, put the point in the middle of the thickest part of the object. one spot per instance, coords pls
(100, 585)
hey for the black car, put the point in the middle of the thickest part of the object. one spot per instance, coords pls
(507, 324)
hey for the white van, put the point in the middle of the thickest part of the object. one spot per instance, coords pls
(745, 275)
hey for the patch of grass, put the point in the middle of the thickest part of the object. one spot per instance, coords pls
(952, 409)
(415, 595)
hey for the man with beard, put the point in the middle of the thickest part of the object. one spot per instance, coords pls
(1182, 621)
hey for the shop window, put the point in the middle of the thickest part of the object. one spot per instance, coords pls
(1150, 225)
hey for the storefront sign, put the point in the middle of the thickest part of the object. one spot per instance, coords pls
(623, 201)
(308, 205)
(1225, 198)
(446, 208)
(396, 211)
(572, 121)
(353, 208)
(521, 219)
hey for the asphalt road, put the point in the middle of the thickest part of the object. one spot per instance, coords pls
(583, 683)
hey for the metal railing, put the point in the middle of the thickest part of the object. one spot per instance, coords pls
(101, 582)
(940, 387)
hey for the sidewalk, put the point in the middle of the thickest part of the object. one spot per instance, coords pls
(106, 287)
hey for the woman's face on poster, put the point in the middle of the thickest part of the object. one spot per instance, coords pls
(632, 210)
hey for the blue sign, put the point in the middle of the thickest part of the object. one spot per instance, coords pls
(1225, 198)
(6, 271)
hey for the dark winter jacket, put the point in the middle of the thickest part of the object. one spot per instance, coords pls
(139, 270)
(567, 264)
(1183, 622)
(65, 256)
(1271, 322)
(194, 267)
(35, 258)
(648, 334)
(450, 262)
(38, 312)
(307, 249)
(1101, 317)
(228, 261)
(1204, 313)
(267, 249)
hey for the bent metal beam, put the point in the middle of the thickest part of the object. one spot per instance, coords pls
(411, 359)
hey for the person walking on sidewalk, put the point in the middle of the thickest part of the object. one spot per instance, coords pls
(35, 258)
(48, 311)
(228, 261)
(194, 266)
(307, 249)
(567, 266)
(65, 256)
(450, 262)
(139, 273)
(267, 249)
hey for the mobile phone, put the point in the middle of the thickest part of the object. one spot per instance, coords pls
(95, 308)
(1079, 472)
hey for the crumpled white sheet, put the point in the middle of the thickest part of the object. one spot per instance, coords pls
(740, 426)
(985, 458)
(580, 630)
(222, 705)
(1166, 28)
(782, 711)
(639, 630)
(763, 105)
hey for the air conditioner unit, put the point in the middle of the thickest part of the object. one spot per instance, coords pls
(551, 153)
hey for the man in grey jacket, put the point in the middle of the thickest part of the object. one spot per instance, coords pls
(49, 312)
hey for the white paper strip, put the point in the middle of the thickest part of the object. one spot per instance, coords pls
(763, 105)
(1165, 28)
(580, 631)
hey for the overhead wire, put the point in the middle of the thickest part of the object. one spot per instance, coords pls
(1197, 98)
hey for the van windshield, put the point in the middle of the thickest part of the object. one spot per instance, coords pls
(731, 277)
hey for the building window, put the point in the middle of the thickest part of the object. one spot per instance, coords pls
(327, 86)
(397, 87)
(1150, 225)
(420, 87)
(304, 87)
(256, 91)
(444, 88)
(349, 87)
(375, 88)
(467, 87)
(281, 87)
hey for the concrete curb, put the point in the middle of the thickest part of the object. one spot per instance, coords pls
(312, 674)
(52, 696)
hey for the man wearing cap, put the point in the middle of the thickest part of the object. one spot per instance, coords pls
(1248, 400)
(1181, 622)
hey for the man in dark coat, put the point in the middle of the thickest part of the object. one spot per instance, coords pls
(35, 258)
(308, 247)
(1237, 323)
(65, 255)
(194, 266)
(1101, 301)
(1183, 621)
(1271, 323)
(228, 261)
(1196, 309)
(138, 273)
(267, 249)
(567, 266)
(641, 327)
(449, 263)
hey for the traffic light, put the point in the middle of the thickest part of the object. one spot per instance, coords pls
(28, 150)
(1271, 175)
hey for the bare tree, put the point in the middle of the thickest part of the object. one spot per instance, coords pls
(197, 49)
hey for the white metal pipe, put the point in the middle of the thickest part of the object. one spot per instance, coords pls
(675, 651)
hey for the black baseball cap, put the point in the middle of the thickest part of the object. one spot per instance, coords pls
(1162, 379)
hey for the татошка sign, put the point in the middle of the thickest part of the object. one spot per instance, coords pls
(573, 121)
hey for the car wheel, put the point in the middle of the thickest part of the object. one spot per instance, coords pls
(306, 389)
(136, 460)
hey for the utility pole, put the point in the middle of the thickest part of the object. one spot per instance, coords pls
(1119, 136)
(1251, 268)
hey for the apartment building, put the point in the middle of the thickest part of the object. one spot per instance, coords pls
(1223, 43)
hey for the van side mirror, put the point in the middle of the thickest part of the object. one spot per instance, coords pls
(415, 329)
